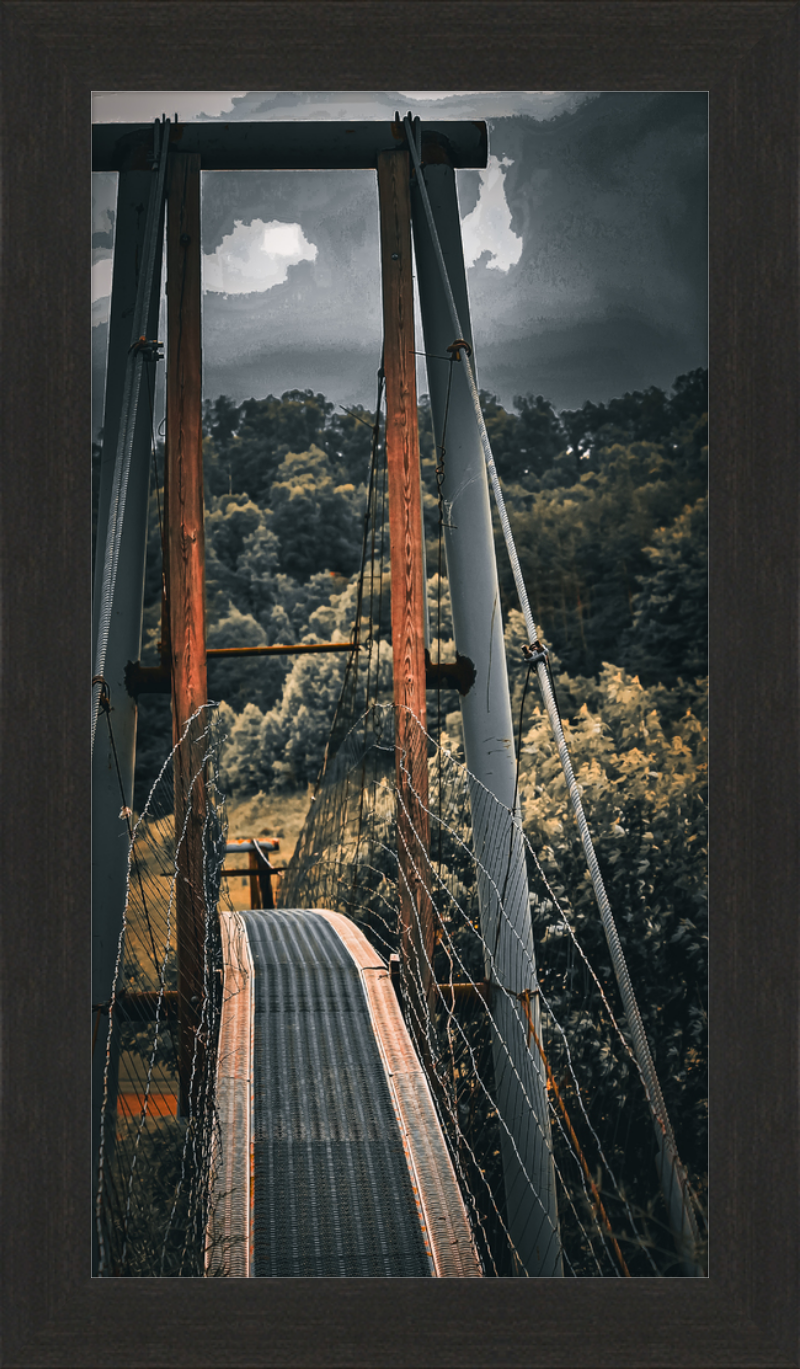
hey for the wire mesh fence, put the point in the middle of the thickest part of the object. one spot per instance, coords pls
(163, 1157)
(159, 1122)
(611, 1216)
(386, 844)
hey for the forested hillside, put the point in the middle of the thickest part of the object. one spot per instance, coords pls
(608, 504)
(609, 509)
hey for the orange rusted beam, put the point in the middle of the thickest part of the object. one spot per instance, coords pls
(132, 1105)
(279, 649)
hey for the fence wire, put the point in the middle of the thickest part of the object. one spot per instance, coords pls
(159, 1128)
(170, 1193)
(612, 1221)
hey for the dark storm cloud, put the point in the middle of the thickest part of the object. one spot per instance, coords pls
(608, 204)
(610, 292)
(321, 327)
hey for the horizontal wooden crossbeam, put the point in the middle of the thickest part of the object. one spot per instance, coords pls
(155, 679)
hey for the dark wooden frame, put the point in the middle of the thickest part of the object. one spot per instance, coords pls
(746, 55)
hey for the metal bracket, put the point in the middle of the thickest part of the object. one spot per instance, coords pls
(148, 348)
(458, 674)
(535, 652)
(455, 348)
(145, 679)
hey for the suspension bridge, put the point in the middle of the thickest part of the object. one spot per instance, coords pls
(370, 1079)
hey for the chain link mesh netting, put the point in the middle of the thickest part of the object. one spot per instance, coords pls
(380, 840)
(159, 1116)
(611, 1216)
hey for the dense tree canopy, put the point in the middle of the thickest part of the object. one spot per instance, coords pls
(608, 505)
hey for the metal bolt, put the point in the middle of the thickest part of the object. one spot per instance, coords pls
(395, 256)
(185, 238)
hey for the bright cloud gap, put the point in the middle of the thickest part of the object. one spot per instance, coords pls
(255, 256)
(488, 227)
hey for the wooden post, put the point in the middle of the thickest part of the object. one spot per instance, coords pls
(255, 887)
(186, 585)
(408, 587)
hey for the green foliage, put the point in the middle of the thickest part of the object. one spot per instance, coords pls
(609, 509)
(294, 734)
(589, 492)
(246, 443)
(640, 757)
(318, 522)
(585, 548)
(539, 440)
(644, 416)
(668, 632)
(613, 560)
(242, 771)
(242, 554)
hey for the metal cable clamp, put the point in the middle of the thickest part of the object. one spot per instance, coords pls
(535, 652)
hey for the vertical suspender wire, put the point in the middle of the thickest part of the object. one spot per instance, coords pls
(130, 404)
(673, 1176)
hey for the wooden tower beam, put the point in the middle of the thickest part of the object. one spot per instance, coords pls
(408, 587)
(186, 584)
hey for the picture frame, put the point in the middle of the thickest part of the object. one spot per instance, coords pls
(745, 55)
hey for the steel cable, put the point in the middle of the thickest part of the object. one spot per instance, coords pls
(673, 1174)
(465, 1079)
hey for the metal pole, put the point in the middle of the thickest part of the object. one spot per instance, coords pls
(489, 747)
(109, 833)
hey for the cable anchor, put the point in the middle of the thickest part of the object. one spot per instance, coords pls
(148, 348)
(105, 693)
(455, 348)
(535, 653)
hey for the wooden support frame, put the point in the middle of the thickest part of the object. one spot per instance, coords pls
(408, 586)
(185, 578)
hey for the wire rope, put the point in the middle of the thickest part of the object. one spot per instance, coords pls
(687, 1231)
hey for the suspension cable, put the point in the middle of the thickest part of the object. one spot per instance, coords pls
(673, 1174)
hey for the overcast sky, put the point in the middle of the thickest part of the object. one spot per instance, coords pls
(585, 240)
